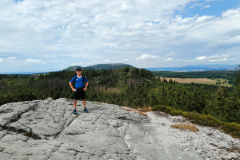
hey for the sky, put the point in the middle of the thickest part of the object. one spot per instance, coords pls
(51, 35)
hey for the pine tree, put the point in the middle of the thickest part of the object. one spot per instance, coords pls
(237, 81)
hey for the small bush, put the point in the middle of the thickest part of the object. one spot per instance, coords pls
(232, 128)
(167, 109)
(204, 120)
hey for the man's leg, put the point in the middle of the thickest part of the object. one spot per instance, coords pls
(83, 97)
(74, 103)
(74, 106)
(85, 105)
(75, 98)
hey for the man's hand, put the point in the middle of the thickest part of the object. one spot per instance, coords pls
(74, 90)
(85, 88)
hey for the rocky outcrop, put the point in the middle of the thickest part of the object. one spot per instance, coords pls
(48, 130)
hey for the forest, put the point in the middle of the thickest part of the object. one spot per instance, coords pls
(230, 75)
(133, 87)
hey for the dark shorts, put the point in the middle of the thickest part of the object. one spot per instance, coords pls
(79, 94)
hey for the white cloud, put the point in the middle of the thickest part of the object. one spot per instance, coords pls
(217, 58)
(8, 60)
(11, 58)
(213, 58)
(146, 57)
(195, 5)
(169, 59)
(206, 6)
(107, 61)
(204, 18)
(71, 26)
(231, 12)
(34, 61)
(126, 60)
(201, 58)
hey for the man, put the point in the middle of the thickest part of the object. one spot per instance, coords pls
(79, 89)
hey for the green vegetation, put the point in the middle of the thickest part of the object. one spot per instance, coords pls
(230, 75)
(137, 88)
(232, 128)
(201, 119)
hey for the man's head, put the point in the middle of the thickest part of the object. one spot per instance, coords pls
(78, 71)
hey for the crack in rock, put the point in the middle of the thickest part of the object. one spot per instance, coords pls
(24, 132)
(67, 124)
(14, 117)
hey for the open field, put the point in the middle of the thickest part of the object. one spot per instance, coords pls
(224, 82)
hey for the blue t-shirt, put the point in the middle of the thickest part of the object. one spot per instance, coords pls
(79, 81)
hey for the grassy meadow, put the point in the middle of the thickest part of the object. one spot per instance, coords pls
(223, 82)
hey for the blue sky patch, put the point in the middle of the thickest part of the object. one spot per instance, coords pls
(208, 8)
(153, 22)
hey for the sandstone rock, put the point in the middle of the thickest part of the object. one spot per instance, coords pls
(48, 130)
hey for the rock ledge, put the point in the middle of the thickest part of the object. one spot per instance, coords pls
(47, 129)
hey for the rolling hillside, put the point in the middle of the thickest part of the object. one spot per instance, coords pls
(100, 66)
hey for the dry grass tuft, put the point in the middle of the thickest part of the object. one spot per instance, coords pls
(145, 109)
(141, 113)
(128, 109)
(186, 126)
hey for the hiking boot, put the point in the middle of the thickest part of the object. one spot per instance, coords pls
(85, 110)
(74, 111)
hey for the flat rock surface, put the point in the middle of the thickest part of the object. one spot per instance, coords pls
(47, 129)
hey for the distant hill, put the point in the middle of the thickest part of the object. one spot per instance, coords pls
(100, 66)
(196, 68)
(73, 68)
(23, 73)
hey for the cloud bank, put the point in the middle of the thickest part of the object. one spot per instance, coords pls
(141, 33)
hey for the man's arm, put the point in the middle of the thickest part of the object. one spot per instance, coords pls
(72, 87)
(85, 88)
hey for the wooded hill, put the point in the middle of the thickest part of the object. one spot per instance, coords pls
(133, 87)
(100, 66)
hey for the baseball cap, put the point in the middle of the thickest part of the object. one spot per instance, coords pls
(78, 69)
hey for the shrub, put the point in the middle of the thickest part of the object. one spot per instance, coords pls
(232, 128)
(167, 109)
(204, 120)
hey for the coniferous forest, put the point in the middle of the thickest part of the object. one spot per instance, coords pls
(133, 87)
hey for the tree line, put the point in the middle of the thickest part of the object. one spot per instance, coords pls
(133, 87)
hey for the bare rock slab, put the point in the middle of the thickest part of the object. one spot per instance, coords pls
(47, 129)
